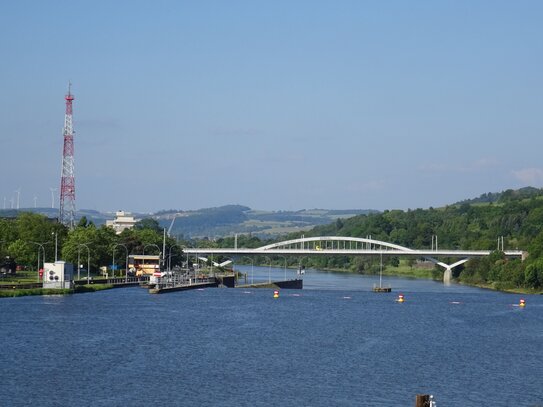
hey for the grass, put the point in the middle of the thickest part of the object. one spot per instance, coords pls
(21, 277)
(21, 292)
(500, 286)
(89, 288)
(404, 270)
(34, 291)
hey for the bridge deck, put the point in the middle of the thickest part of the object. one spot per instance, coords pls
(350, 252)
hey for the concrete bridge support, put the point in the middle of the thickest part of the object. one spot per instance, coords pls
(447, 276)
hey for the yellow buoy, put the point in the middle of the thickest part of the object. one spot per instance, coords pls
(400, 298)
(275, 294)
(522, 303)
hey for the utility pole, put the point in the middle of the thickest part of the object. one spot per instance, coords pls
(67, 180)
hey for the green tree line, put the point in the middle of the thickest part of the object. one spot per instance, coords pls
(517, 216)
(477, 226)
(30, 235)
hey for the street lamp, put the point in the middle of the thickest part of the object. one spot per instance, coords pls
(252, 267)
(269, 268)
(40, 245)
(285, 259)
(88, 261)
(170, 254)
(54, 232)
(126, 265)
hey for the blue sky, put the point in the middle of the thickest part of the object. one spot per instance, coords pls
(272, 104)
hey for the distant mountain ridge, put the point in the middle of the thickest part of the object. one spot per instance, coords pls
(507, 195)
(228, 220)
(219, 221)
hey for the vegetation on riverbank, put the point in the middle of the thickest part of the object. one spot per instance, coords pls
(402, 270)
(34, 291)
(20, 292)
(32, 239)
(504, 288)
(478, 224)
(514, 217)
(89, 288)
(21, 277)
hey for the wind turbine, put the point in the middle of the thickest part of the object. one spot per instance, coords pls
(18, 191)
(52, 197)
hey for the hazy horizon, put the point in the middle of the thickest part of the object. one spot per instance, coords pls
(251, 208)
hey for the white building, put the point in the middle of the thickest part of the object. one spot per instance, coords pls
(58, 274)
(123, 220)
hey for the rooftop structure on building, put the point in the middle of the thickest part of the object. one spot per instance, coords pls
(123, 220)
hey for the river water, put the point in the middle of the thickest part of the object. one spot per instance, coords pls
(335, 343)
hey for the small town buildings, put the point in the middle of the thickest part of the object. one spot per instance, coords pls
(142, 265)
(123, 220)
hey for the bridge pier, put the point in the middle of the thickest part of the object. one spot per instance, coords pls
(447, 276)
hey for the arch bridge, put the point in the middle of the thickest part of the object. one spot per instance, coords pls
(352, 246)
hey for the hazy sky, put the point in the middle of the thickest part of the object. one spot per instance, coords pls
(272, 104)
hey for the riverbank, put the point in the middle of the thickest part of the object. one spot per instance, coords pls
(21, 292)
(404, 271)
(500, 287)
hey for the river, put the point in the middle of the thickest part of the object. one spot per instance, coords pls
(334, 343)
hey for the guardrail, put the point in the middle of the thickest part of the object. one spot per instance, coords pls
(172, 281)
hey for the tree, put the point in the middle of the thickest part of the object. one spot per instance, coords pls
(533, 274)
(82, 222)
(23, 253)
(32, 227)
(148, 223)
(99, 243)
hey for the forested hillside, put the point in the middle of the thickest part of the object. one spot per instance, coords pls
(515, 215)
(231, 219)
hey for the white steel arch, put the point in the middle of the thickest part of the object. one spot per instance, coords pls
(303, 240)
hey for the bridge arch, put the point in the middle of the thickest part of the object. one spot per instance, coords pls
(302, 241)
(320, 245)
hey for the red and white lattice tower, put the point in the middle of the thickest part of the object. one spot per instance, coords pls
(67, 180)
